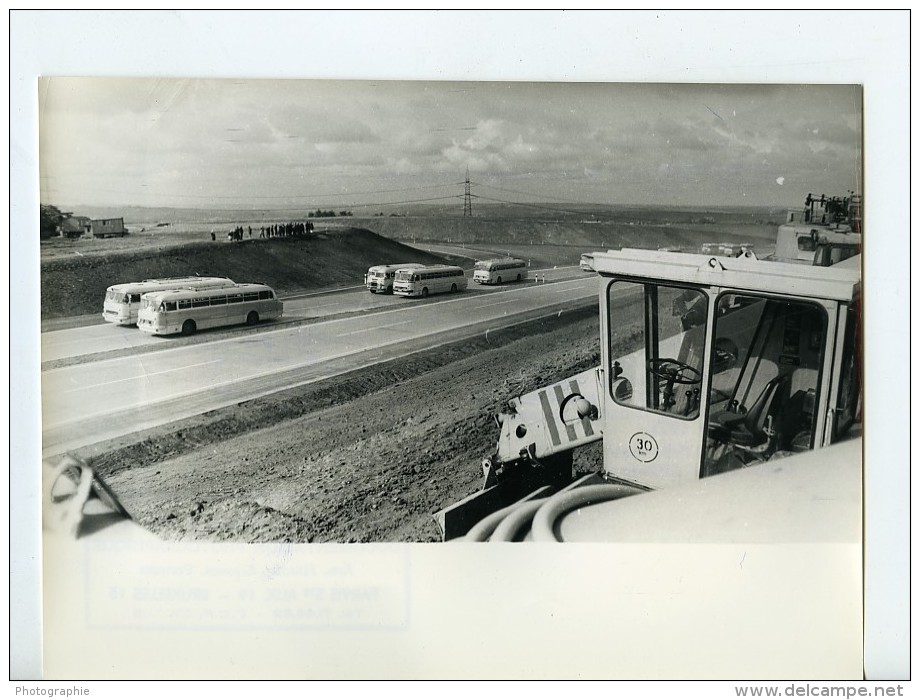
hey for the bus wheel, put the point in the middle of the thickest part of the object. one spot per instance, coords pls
(189, 327)
(499, 280)
(252, 319)
(424, 292)
(453, 288)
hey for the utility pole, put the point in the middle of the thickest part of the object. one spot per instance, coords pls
(467, 199)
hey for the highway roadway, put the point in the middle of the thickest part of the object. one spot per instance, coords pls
(111, 396)
(101, 337)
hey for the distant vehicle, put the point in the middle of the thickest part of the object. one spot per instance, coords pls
(379, 278)
(724, 249)
(498, 270)
(188, 310)
(826, 232)
(122, 301)
(587, 262)
(108, 228)
(429, 280)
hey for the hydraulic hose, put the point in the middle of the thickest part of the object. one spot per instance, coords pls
(550, 512)
(514, 525)
(481, 531)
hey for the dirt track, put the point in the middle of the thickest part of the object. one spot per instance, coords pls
(363, 458)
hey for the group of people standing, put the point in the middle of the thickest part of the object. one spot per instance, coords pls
(293, 228)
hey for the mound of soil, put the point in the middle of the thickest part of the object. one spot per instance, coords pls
(584, 237)
(367, 457)
(75, 285)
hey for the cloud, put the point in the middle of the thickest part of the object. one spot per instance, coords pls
(188, 136)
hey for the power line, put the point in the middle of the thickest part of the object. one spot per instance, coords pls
(407, 201)
(541, 196)
(298, 199)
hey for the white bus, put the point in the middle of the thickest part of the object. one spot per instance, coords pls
(379, 278)
(122, 301)
(499, 270)
(188, 310)
(432, 279)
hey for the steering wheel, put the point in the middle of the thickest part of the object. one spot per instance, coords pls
(672, 371)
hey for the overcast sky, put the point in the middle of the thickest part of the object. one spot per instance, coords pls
(282, 143)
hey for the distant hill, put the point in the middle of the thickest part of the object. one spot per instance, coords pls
(75, 285)
(580, 225)
(557, 213)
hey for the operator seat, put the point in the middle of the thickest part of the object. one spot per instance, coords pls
(754, 431)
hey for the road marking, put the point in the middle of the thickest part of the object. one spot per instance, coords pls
(213, 389)
(375, 328)
(496, 303)
(321, 306)
(326, 328)
(139, 376)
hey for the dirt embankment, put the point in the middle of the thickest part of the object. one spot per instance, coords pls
(367, 457)
(75, 285)
(581, 235)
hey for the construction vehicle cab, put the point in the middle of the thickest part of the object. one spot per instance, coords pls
(708, 364)
(713, 364)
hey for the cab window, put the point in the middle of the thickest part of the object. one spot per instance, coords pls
(848, 407)
(765, 366)
(656, 347)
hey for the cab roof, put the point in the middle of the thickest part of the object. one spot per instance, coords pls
(746, 272)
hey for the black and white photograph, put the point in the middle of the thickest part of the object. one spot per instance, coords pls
(379, 378)
(320, 361)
